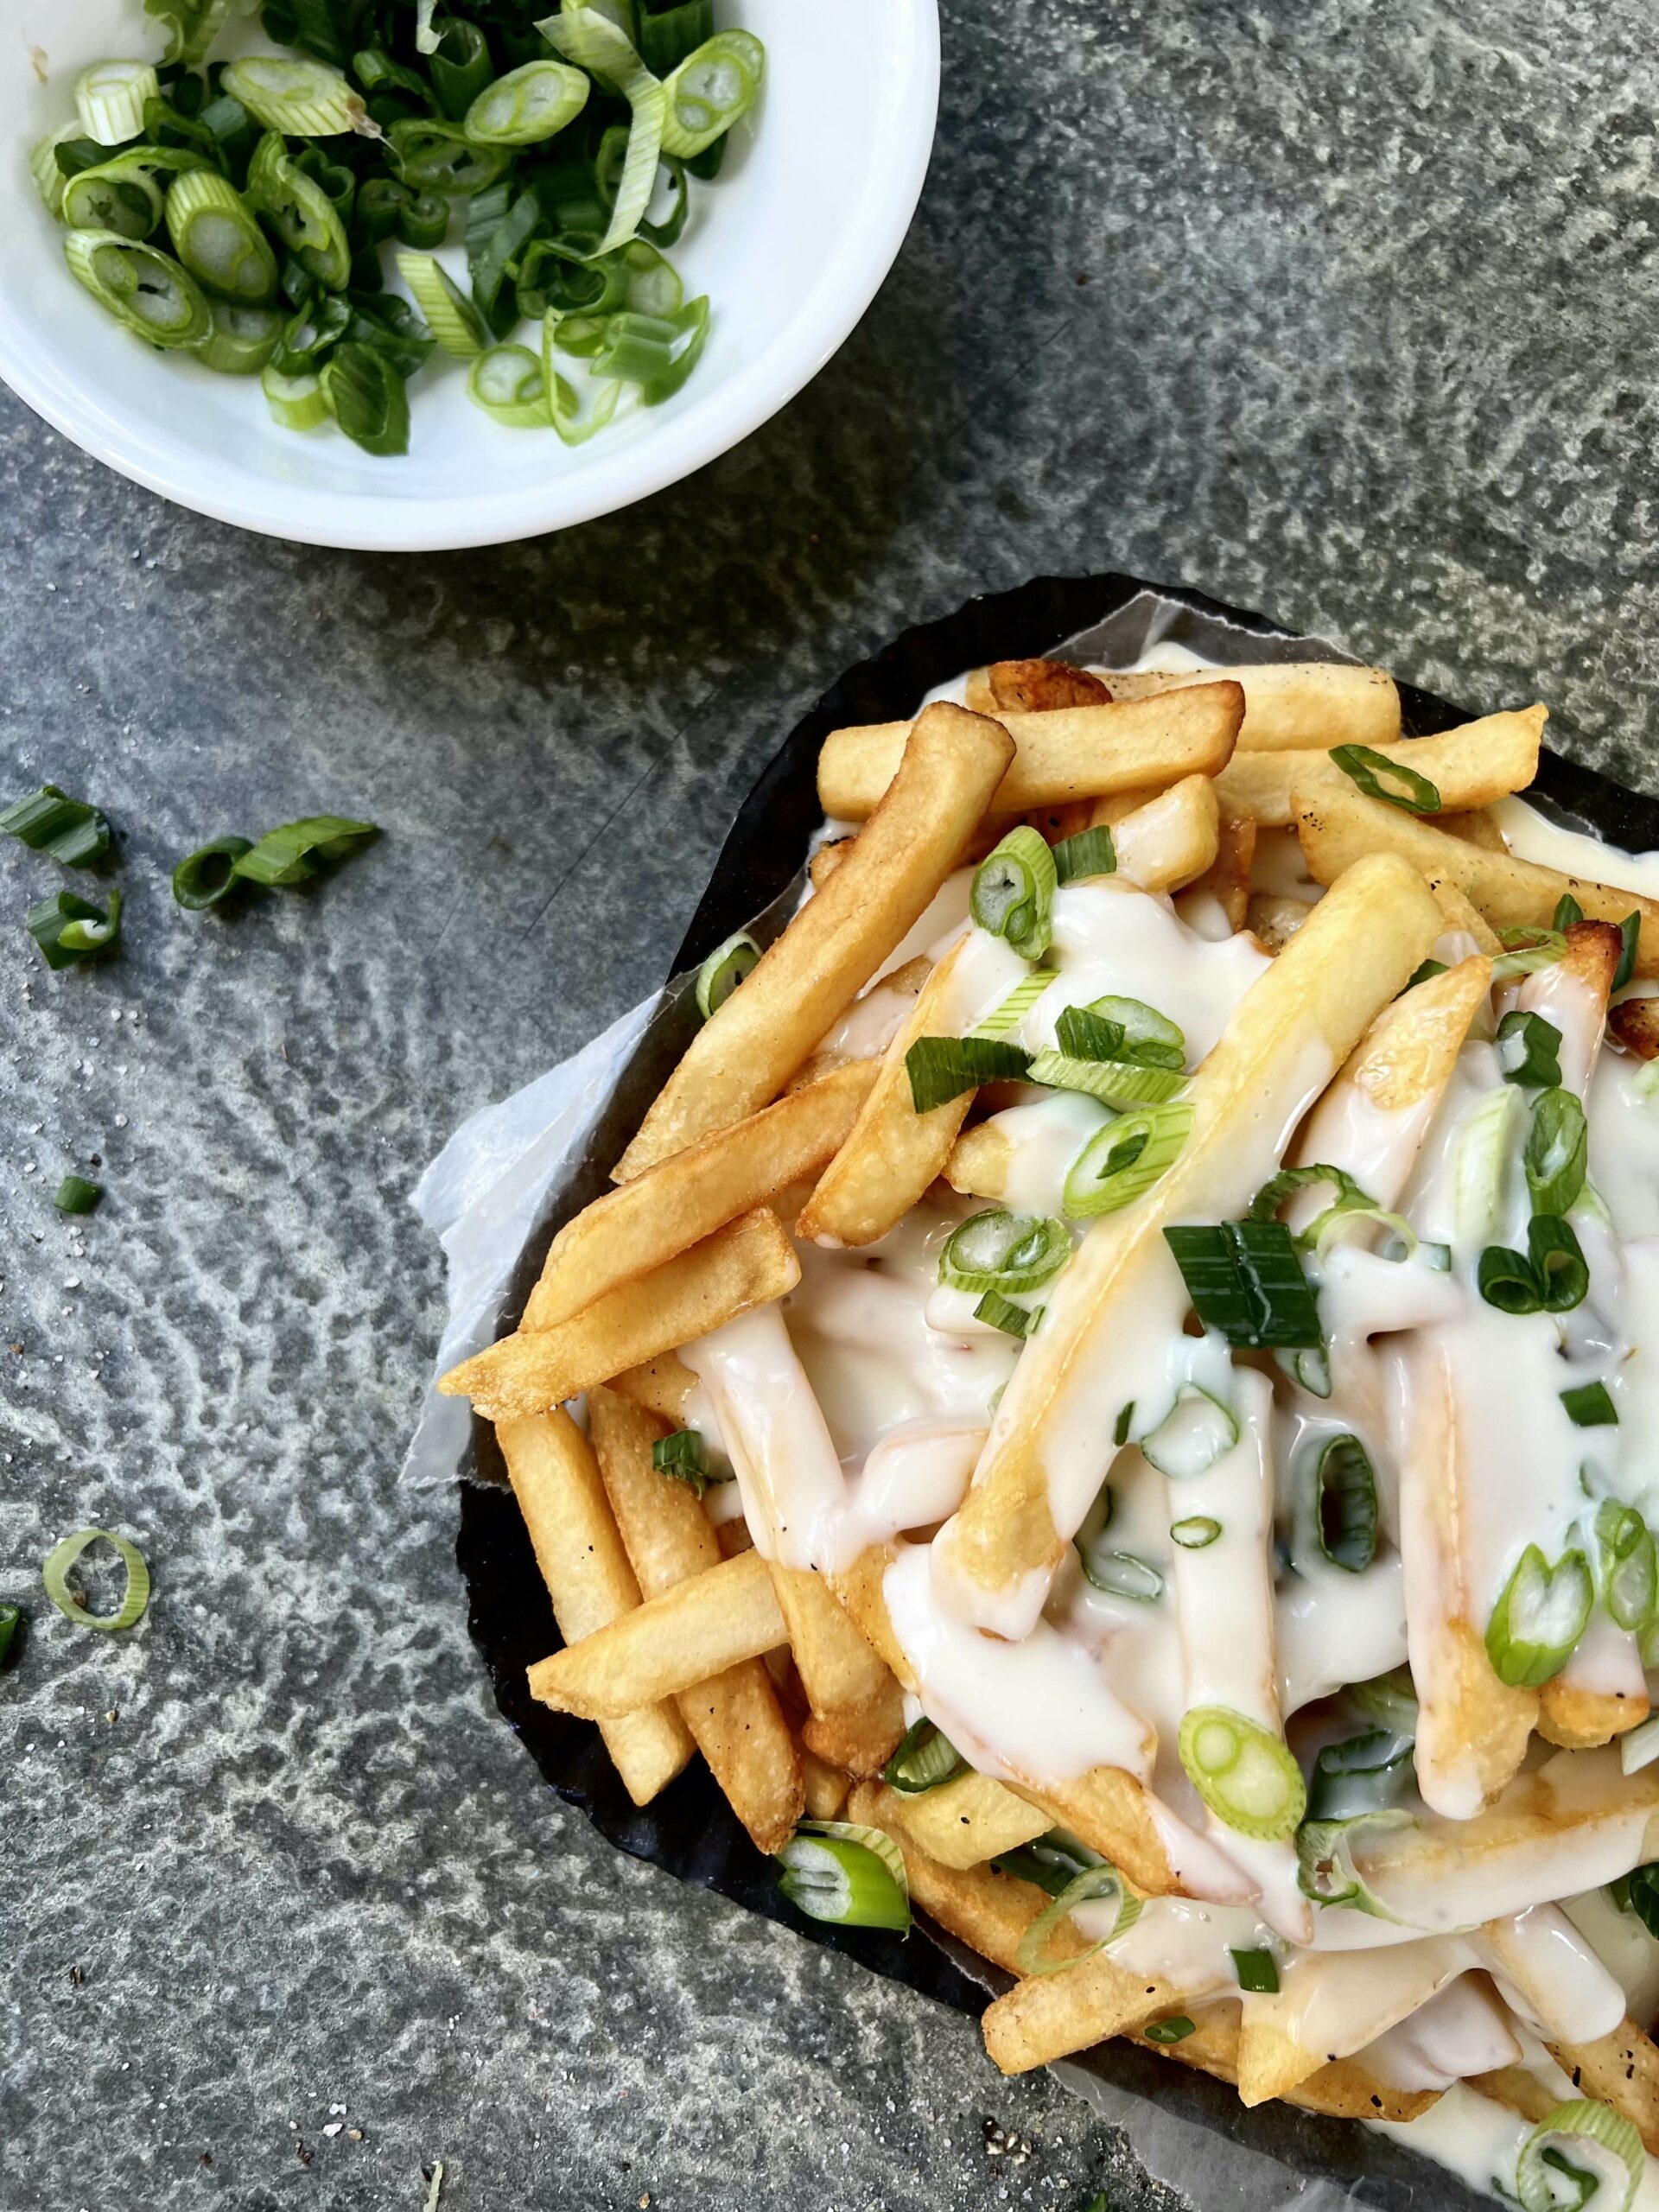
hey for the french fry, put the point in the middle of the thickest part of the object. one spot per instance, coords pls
(1111, 1307)
(1400, 1068)
(1037, 687)
(1469, 766)
(1478, 828)
(1173, 839)
(1635, 1024)
(581, 1554)
(1349, 2004)
(1518, 2091)
(1070, 752)
(1620, 2069)
(1346, 2090)
(892, 1152)
(1226, 879)
(693, 1631)
(1290, 705)
(826, 1786)
(644, 1224)
(859, 1738)
(967, 1821)
(733, 1717)
(662, 1386)
(939, 785)
(1068, 819)
(1460, 916)
(1336, 827)
(977, 695)
(981, 1160)
(1525, 1954)
(1049, 2016)
(827, 859)
(857, 1715)
(746, 1264)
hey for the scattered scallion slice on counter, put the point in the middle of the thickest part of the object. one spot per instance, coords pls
(1344, 1503)
(76, 1195)
(1122, 1162)
(727, 966)
(68, 829)
(1013, 890)
(1243, 1278)
(1089, 853)
(1197, 1432)
(840, 1872)
(208, 876)
(925, 1758)
(1540, 1617)
(1003, 1251)
(1006, 1018)
(1528, 1051)
(1244, 1774)
(1379, 777)
(1583, 2145)
(55, 1576)
(1257, 1973)
(9, 1617)
(299, 850)
(1100, 1884)
(942, 1068)
(69, 930)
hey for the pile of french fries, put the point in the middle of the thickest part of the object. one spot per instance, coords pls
(685, 1636)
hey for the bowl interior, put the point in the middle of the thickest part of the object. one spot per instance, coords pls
(789, 243)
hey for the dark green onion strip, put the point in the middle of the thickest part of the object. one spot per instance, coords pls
(1567, 910)
(1244, 1279)
(1175, 2028)
(1362, 1774)
(1195, 1533)
(55, 1576)
(942, 1068)
(207, 877)
(682, 1456)
(299, 850)
(9, 1617)
(1258, 1974)
(1374, 773)
(1528, 1051)
(76, 1195)
(68, 929)
(1630, 931)
(1589, 1405)
(1539, 1617)
(1557, 1151)
(68, 829)
(925, 1757)
(1551, 1277)
(1000, 1313)
(1344, 1503)
(1089, 853)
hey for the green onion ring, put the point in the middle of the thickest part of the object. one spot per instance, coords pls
(1244, 1774)
(1367, 767)
(841, 1872)
(1096, 1885)
(1004, 1251)
(925, 1758)
(55, 1572)
(1584, 2121)
(727, 966)
(1013, 892)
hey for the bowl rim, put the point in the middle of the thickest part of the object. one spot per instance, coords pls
(368, 523)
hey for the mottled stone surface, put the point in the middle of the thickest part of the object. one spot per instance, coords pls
(1343, 311)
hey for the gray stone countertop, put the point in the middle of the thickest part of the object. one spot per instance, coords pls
(1344, 312)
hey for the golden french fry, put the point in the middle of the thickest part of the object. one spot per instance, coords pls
(1294, 1025)
(733, 1717)
(941, 782)
(1477, 827)
(826, 1786)
(857, 1715)
(581, 1554)
(1227, 880)
(977, 695)
(1401, 1065)
(967, 1821)
(1037, 687)
(1469, 766)
(827, 859)
(644, 1224)
(1350, 2003)
(1173, 839)
(860, 1739)
(1336, 827)
(1290, 705)
(870, 1023)
(1050, 2015)
(692, 1632)
(662, 1386)
(1621, 2070)
(746, 1264)
(1457, 914)
(1635, 1024)
(1517, 2091)
(892, 1152)
(1345, 2091)
(1070, 752)
(980, 1162)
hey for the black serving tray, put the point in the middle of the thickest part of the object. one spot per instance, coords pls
(690, 1831)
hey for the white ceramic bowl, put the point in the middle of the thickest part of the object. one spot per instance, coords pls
(790, 243)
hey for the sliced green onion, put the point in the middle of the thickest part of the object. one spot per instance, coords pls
(1309, 1368)
(840, 1872)
(1085, 1035)
(54, 1575)
(1265, 1206)
(1589, 1405)
(1505, 1278)
(1000, 1313)
(1324, 1865)
(1630, 931)
(1195, 1533)
(573, 428)
(50, 180)
(1005, 1018)
(594, 43)
(456, 323)
(925, 1758)
(1257, 1973)
(1390, 1700)
(1526, 951)
(460, 67)
(1122, 1162)
(1150, 1038)
(1557, 1150)
(1379, 777)
(727, 966)
(1540, 1617)
(1629, 1565)
(1051, 1863)
(1483, 1160)
(1089, 853)
(299, 850)
(710, 91)
(1243, 1278)
(999, 1250)
(127, 193)
(291, 93)
(1121, 1574)
(1197, 1432)
(301, 213)
(1013, 892)
(1115, 1082)
(427, 37)
(376, 71)
(527, 104)
(1552, 1278)
(9, 1617)
(1528, 1051)
(1425, 972)
(68, 929)
(110, 99)
(1567, 910)
(1594, 2131)
(1359, 1775)
(295, 402)
(650, 350)
(368, 399)
(68, 829)
(147, 292)
(1244, 1774)
(1100, 1884)
(682, 1456)
(509, 384)
(76, 1195)
(1175, 2028)
(242, 341)
(1344, 1503)
(432, 155)
(216, 237)
(942, 1068)
(1122, 1425)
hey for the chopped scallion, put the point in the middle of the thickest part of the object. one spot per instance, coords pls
(68, 929)
(1257, 1973)
(1244, 1773)
(1089, 853)
(1175, 2028)
(1589, 1405)
(1379, 777)
(1528, 1051)
(76, 1195)
(68, 829)
(1123, 1161)
(1003, 1251)
(1013, 890)
(1344, 1503)
(55, 1576)
(840, 1872)
(1540, 1615)
(1000, 1313)
(925, 1758)
(1244, 1279)
(942, 1068)
(727, 966)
